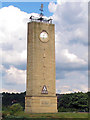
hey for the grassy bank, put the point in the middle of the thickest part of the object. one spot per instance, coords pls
(45, 119)
(25, 116)
(56, 115)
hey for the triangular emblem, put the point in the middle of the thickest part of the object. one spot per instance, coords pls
(44, 90)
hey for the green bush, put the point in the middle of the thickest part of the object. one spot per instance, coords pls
(15, 108)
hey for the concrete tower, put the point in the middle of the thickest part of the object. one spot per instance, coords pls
(40, 90)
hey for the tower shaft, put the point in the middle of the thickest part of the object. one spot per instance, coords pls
(40, 90)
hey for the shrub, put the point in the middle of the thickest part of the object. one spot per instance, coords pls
(16, 108)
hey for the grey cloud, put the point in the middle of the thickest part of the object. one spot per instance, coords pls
(60, 74)
(6, 46)
(71, 12)
(78, 41)
(71, 67)
(14, 87)
(20, 66)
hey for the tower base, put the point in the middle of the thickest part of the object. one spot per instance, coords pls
(40, 104)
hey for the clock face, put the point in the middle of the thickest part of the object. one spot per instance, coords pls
(44, 36)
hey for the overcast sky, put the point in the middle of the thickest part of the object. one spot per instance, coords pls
(71, 44)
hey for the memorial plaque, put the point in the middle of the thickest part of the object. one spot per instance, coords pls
(44, 102)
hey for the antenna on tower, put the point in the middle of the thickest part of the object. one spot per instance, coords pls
(41, 9)
(41, 17)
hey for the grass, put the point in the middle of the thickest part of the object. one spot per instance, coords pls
(45, 116)
(55, 115)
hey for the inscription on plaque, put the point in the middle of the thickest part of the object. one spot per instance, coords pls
(44, 102)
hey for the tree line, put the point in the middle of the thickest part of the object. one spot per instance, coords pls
(73, 102)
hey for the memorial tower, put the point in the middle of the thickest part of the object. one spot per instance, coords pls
(40, 89)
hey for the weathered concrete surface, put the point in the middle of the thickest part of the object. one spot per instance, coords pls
(40, 70)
